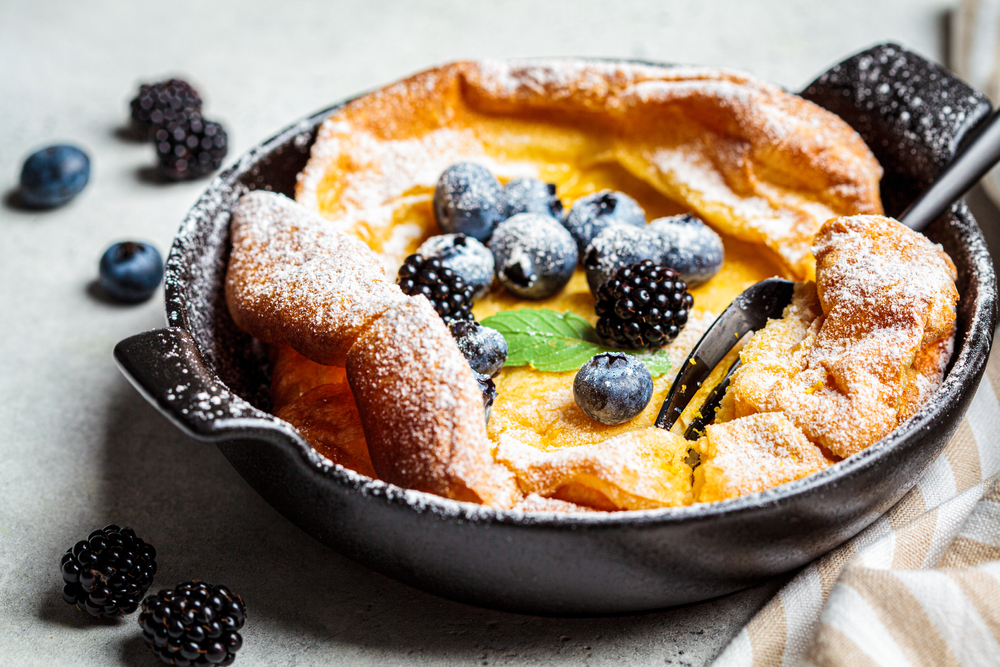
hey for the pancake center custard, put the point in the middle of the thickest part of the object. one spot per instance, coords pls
(372, 377)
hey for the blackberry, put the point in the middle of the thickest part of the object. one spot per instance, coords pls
(643, 305)
(160, 103)
(107, 574)
(190, 147)
(193, 624)
(450, 295)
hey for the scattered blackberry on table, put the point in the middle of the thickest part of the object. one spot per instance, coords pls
(690, 247)
(52, 176)
(130, 272)
(193, 624)
(530, 195)
(612, 387)
(644, 305)
(107, 574)
(489, 389)
(190, 147)
(590, 215)
(464, 255)
(448, 293)
(618, 246)
(158, 104)
(469, 200)
(535, 256)
(485, 348)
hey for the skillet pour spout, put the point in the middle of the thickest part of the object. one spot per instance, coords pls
(212, 381)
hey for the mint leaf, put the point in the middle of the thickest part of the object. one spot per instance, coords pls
(558, 342)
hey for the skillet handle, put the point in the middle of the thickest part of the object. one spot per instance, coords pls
(886, 93)
(167, 368)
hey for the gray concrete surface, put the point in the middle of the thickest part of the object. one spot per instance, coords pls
(79, 448)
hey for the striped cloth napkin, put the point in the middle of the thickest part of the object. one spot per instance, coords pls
(920, 586)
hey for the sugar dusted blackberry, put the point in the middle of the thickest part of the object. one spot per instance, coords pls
(107, 574)
(160, 103)
(190, 147)
(193, 624)
(643, 305)
(448, 293)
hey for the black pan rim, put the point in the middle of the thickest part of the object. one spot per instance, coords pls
(966, 369)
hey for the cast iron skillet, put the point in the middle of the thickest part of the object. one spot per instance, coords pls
(211, 380)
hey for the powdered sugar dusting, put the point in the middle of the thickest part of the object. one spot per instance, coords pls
(295, 282)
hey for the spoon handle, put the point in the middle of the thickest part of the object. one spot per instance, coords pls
(971, 164)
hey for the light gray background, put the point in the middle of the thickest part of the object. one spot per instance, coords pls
(79, 448)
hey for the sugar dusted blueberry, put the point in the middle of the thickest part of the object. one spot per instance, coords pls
(612, 387)
(483, 347)
(54, 175)
(531, 195)
(469, 200)
(464, 255)
(130, 272)
(534, 255)
(592, 214)
(690, 247)
(615, 247)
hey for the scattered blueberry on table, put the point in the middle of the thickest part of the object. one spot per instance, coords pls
(107, 574)
(130, 272)
(54, 175)
(612, 387)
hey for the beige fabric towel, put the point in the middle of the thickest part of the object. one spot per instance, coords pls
(920, 586)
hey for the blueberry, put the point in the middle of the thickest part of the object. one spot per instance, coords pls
(618, 246)
(469, 200)
(54, 175)
(535, 256)
(489, 389)
(690, 247)
(464, 255)
(530, 195)
(593, 213)
(613, 387)
(485, 348)
(131, 272)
